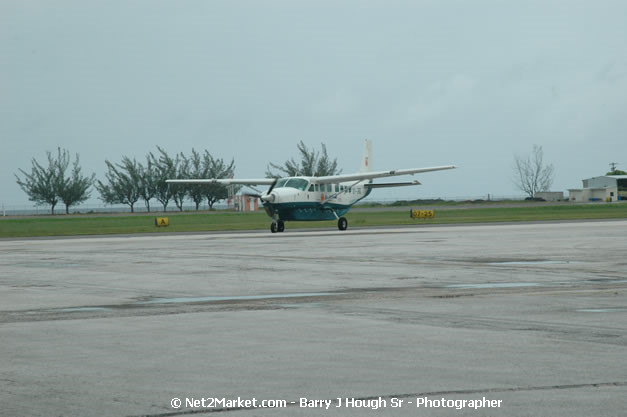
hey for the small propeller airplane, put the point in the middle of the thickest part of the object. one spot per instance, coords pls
(317, 198)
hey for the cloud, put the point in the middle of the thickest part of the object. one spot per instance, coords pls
(335, 104)
(439, 98)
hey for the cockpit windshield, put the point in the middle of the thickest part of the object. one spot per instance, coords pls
(298, 183)
(281, 183)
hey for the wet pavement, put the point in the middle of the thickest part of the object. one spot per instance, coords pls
(533, 315)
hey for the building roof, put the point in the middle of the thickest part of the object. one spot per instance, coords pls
(590, 188)
(614, 177)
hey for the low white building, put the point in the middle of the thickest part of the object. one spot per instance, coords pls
(550, 195)
(242, 202)
(606, 188)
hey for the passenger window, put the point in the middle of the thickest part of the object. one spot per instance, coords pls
(311, 188)
(317, 187)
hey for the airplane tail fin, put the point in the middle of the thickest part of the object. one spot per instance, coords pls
(366, 162)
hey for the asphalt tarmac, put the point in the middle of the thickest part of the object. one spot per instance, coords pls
(499, 320)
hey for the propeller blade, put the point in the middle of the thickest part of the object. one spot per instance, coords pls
(272, 186)
(267, 197)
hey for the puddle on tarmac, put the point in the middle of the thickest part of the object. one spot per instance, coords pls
(43, 264)
(495, 285)
(232, 298)
(537, 262)
(603, 310)
(188, 300)
(78, 309)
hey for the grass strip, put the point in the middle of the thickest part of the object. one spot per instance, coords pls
(224, 221)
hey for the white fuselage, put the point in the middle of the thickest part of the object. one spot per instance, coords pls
(302, 198)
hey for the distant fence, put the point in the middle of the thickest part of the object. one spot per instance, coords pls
(140, 207)
(26, 210)
(487, 197)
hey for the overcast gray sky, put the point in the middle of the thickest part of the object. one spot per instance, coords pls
(440, 82)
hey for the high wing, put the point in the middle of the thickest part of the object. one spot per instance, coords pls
(392, 184)
(377, 174)
(225, 181)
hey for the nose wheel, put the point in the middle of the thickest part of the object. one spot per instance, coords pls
(342, 223)
(278, 226)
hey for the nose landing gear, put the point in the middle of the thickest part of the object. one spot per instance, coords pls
(277, 226)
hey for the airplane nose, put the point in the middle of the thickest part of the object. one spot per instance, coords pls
(271, 198)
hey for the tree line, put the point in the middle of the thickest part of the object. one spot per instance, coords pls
(130, 181)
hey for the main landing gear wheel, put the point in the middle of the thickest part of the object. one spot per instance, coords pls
(278, 226)
(342, 223)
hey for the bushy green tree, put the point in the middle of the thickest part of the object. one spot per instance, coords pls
(123, 183)
(180, 191)
(205, 166)
(196, 169)
(617, 172)
(165, 168)
(49, 185)
(148, 182)
(312, 163)
(72, 189)
(217, 168)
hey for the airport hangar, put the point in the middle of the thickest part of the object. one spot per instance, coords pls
(604, 188)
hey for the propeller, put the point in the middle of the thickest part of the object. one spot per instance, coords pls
(264, 197)
(272, 186)
(267, 197)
